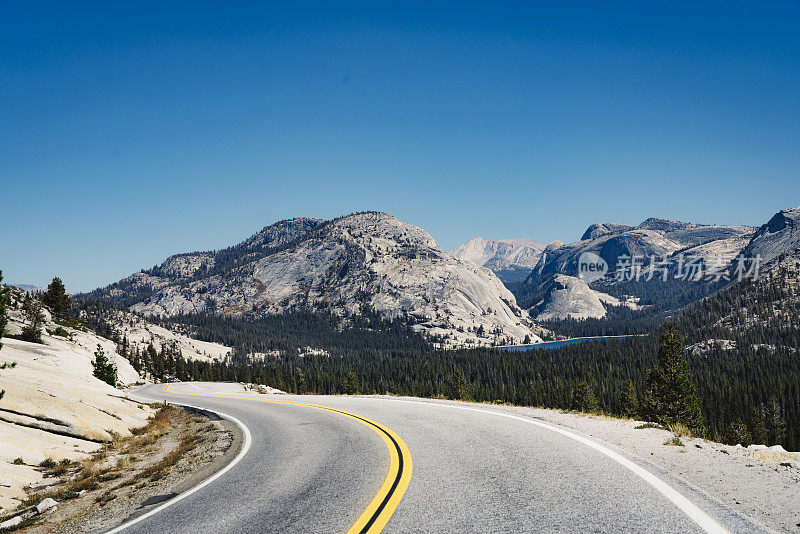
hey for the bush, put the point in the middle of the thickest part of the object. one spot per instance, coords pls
(59, 331)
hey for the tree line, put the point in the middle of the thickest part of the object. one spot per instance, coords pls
(749, 393)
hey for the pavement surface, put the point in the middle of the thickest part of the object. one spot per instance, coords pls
(423, 466)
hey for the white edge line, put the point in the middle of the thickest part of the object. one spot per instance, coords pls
(247, 441)
(695, 513)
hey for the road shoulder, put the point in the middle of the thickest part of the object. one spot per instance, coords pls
(180, 449)
(741, 486)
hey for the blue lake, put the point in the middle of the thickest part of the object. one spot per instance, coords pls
(561, 343)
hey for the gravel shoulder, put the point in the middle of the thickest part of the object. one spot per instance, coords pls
(760, 483)
(180, 448)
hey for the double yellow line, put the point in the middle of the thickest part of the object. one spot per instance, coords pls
(384, 504)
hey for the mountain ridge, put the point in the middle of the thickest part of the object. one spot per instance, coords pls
(342, 265)
(509, 259)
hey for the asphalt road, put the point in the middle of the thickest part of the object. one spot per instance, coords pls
(475, 469)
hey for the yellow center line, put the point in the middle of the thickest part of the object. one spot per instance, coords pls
(385, 502)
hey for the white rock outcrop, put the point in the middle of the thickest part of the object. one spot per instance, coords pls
(571, 298)
(500, 255)
(346, 265)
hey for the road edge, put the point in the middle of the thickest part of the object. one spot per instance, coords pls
(665, 482)
(247, 440)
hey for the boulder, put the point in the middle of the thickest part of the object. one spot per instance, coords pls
(46, 505)
(13, 522)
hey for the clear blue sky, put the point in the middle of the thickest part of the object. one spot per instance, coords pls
(134, 130)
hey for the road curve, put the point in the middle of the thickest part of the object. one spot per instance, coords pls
(475, 469)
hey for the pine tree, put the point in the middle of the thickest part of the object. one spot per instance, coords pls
(739, 434)
(56, 299)
(583, 399)
(351, 384)
(32, 331)
(460, 388)
(3, 308)
(758, 432)
(104, 369)
(629, 400)
(776, 424)
(3, 321)
(670, 396)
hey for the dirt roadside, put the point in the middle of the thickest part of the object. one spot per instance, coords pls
(128, 477)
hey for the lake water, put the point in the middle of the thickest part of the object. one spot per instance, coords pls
(561, 343)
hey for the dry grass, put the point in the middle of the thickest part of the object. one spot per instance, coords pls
(105, 498)
(161, 469)
(124, 460)
(680, 430)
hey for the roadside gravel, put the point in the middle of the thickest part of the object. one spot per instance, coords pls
(142, 478)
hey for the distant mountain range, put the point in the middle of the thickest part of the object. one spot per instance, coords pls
(28, 287)
(344, 266)
(373, 261)
(510, 259)
(553, 289)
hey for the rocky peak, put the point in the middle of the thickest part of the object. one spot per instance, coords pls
(778, 238)
(362, 260)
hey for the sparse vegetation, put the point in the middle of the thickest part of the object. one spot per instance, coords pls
(3, 309)
(680, 430)
(59, 331)
(137, 461)
(649, 425)
(47, 463)
(674, 441)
